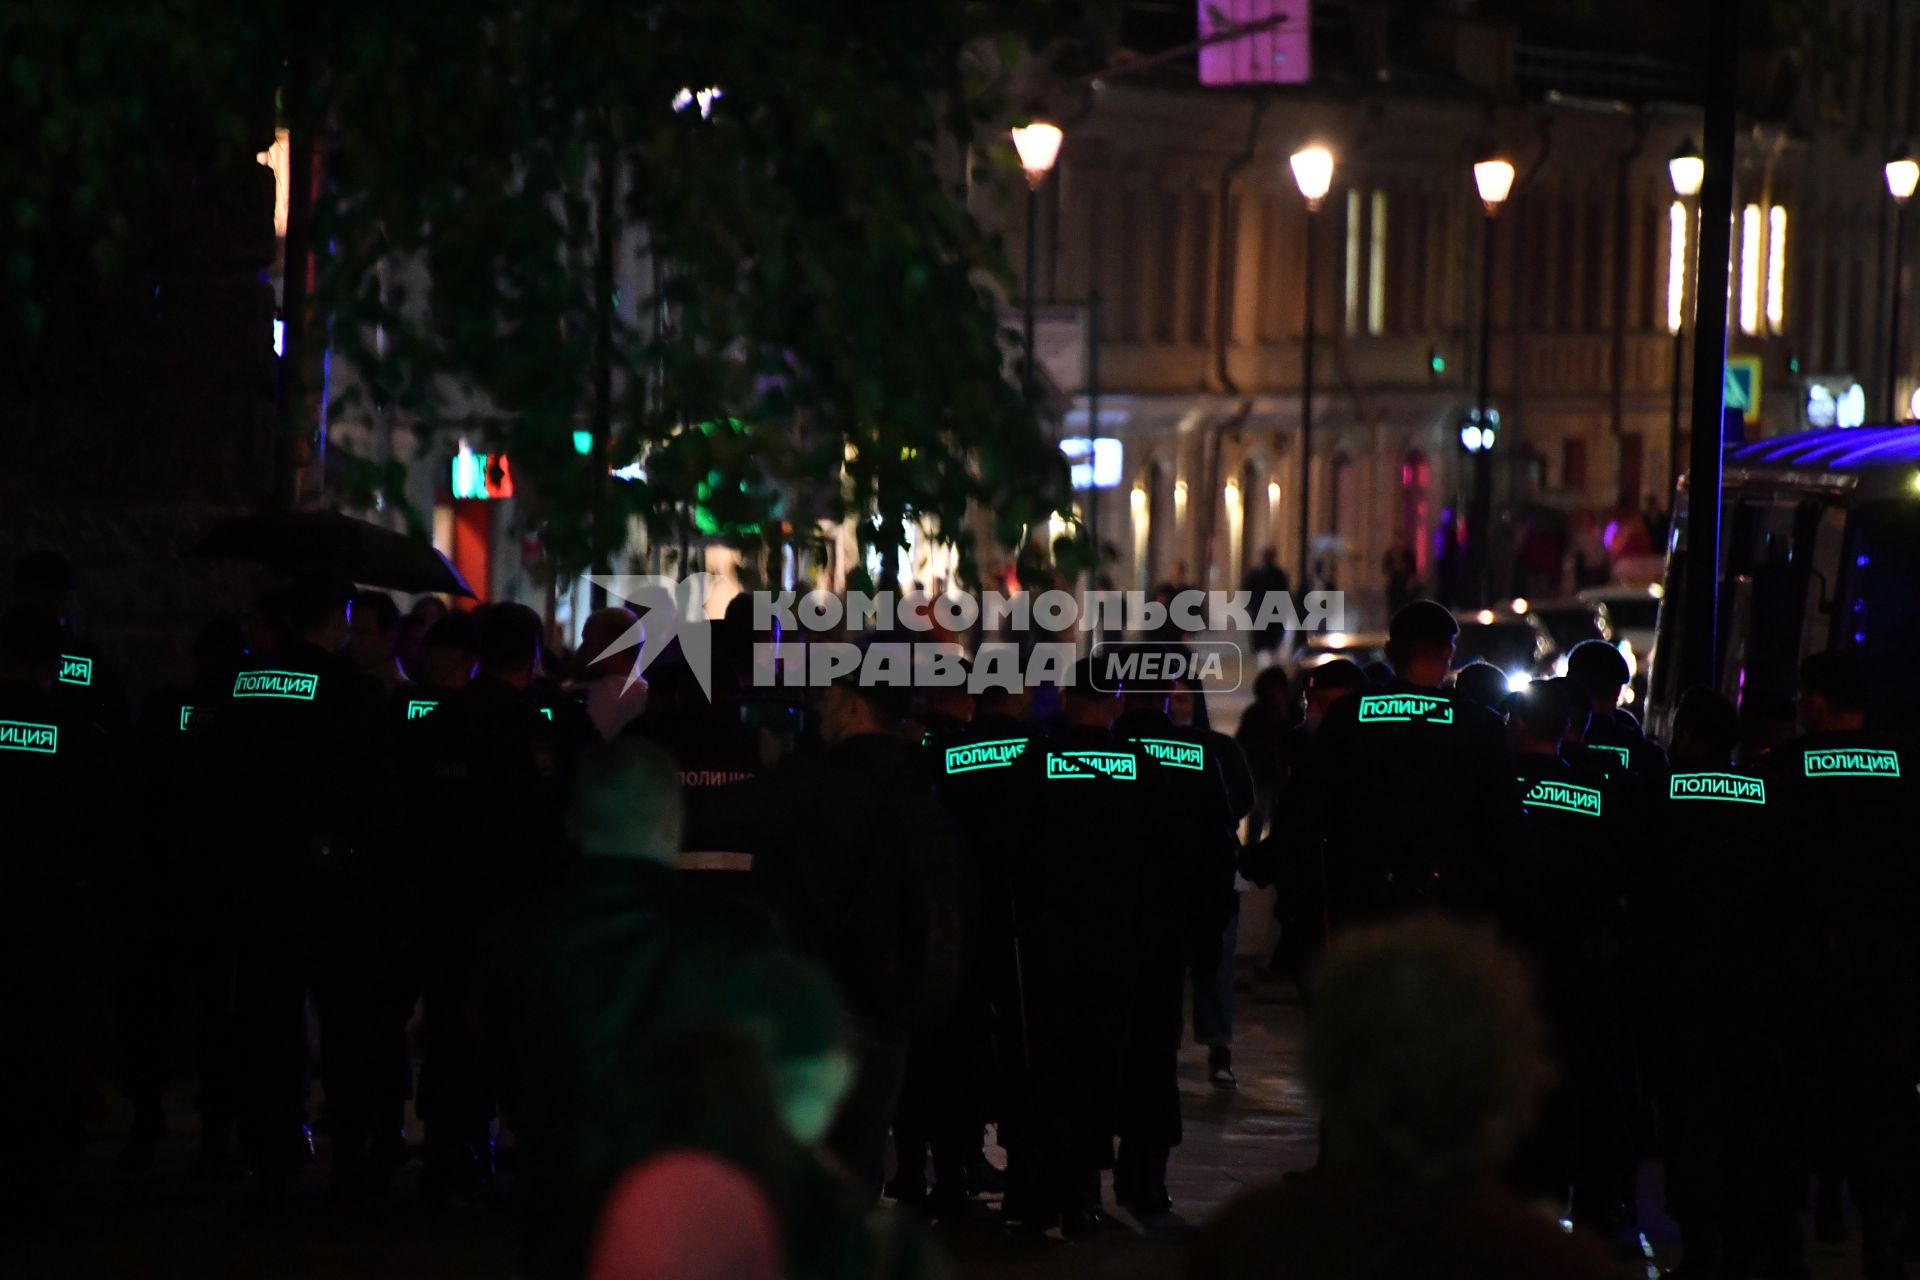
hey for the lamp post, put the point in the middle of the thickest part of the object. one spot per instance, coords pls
(1039, 146)
(1494, 178)
(1313, 174)
(1902, 176)
(1687, 169)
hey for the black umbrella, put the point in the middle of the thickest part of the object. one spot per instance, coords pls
(326, 541)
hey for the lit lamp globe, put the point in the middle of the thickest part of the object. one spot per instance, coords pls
(1313, 174)
(1039, 146)
(1687, 170)
(1494, 178)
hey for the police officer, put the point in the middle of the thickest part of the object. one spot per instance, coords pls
(493, 785)
(1848, 787)
(44, 583)
(1416, 798)
(49, 784)
(299, 738)
(1190, 899)
(1565, 897)
(168, 899)
(1712, 900)
(1081, 841)
(1613, 735)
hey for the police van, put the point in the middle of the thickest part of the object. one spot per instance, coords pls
(1819, 549)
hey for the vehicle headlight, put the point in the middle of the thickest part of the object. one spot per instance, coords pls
(1626, 651)
(1518, 680)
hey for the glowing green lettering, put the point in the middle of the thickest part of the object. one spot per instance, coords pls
(547, 712)
(186, 717)
(1090, 764)
(17, 735)
(1179, 755)
(1400, 708)
(298, 685)
(1564, 796)
(984, 755)
(420, 706)
(1734, 787)
(1852, 763)
(1624, 755)
(75, 670)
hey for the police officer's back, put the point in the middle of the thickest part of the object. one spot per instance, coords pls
(1850, 789)
(1418, 786)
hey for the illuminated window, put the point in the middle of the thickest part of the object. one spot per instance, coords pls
(1777, 269)
(275, 158)
(1676, 266)
(1750, 234)
(1377, 266)
(1353, 261)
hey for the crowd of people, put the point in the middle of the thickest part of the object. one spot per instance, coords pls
(795, 952)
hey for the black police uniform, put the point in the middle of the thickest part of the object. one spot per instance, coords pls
(492, 787)
(854, 856)
(1189, 898)
(1715, 914)
(1566, 900)
(1849, 797)
(1081, 847)
(52, 782)
(1415, 803)
(300, 746)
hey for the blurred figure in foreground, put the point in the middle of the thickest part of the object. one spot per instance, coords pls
(1429, 1060)
(686, 1216)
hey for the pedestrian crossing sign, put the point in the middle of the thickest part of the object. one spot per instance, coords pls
(1742, 392)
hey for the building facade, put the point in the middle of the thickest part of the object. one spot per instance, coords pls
(1172, 211)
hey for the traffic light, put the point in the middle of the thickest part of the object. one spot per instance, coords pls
(1437, 363)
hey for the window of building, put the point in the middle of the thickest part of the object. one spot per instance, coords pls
(1573, 464)
(1377, 265)
(1777, 269)
(1355, 230)
(1677, 221)
(1750, 245)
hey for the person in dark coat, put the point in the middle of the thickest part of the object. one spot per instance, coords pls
(1428, 1060)
(856, 859)
(1564, 902)
(1441, 765)
(300, 740)
(168, 901)
(91, 686)
(490, 792)
(51, 761)
(1083, 838)
(1190, 897)
(589, 974)
(1714, 913)
(1847, 788)
(1263, 581)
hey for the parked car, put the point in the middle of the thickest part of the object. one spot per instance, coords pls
(1324, 646)
(1517, 643)
(1628, 618)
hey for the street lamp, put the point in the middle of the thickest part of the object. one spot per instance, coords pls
(1494, 179)
(1902, 176)
(1688, 169)
(1039, 146)
(1313, 174)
